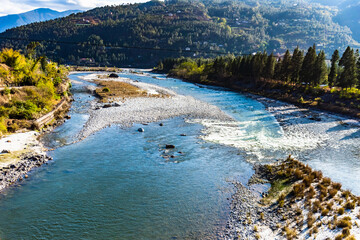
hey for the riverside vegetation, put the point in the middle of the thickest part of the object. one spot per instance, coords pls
(300, 204)
(30, 87)
(296, 78)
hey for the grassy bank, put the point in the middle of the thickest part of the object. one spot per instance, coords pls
(30, 87)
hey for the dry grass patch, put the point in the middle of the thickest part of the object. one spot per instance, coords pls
(115, 89)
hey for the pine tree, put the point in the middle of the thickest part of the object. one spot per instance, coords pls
(348, 78)
(270, 67)
(320, 73)
(277, 71)
(285, 67)
(308, 67)
(296, 63)
(334, 68)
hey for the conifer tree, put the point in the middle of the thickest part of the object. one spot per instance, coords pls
(285, 67)
(308, 67)
(334, 68)
(320, 73)
(296, 63)
(270, 67)
(348, 77)
(277, 71)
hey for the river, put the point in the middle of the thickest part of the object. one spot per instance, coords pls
(116, 184)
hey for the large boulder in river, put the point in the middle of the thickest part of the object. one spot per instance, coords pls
(113, 75)
(168, 146)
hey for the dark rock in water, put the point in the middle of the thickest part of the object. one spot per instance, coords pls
(5, 151)
(12, 166)
(67, 117)
(315, 119)
(141, 130)
(113, 75)
(169, 146)
(161, 124)
(107, 106)
(183, 134)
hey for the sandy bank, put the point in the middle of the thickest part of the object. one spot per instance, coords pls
(17, 144)
(21, 153)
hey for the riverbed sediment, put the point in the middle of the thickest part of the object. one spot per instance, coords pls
(126, 112)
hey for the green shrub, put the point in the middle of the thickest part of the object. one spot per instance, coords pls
(23, 110)
(106, 89)
(7, 91)
(3, 128)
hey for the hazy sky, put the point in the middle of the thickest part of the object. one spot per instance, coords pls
(19, 6)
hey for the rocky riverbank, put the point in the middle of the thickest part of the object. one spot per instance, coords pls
(301, 204)
(18, 171)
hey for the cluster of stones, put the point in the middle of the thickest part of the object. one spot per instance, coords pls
(18, 171)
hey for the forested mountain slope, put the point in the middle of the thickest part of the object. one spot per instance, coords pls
(127, 34)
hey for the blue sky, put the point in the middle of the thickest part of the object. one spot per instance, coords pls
(19, 6)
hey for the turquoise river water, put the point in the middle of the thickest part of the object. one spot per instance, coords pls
(115, 184)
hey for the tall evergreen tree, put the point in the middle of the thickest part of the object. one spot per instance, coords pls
(285, 67)
(270, 67)
(277, 71)
(296, 63)
(308, 67)
(348, 77)
(334, 68)
(320, 73)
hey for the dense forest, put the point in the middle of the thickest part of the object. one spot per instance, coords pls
(142, 34)
(299, 77)
(30, 87)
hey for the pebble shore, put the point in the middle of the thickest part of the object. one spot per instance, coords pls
(18, 171)
(148, 109)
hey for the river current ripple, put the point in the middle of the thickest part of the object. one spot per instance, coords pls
(120, 184)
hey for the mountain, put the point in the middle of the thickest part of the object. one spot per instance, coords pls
(338, 3)
(142, 34)
(350, 17)
(37, 15)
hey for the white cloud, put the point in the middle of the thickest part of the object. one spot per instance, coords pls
(16, 6)
(10, 7)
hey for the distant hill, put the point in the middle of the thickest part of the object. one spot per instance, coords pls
(130, 34)
(350, 17)
(338, 3)
(37, 15)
